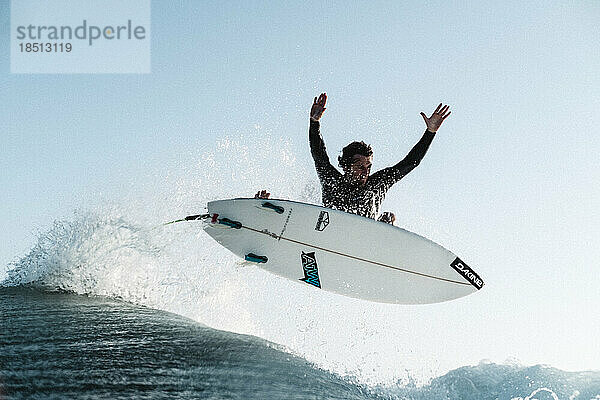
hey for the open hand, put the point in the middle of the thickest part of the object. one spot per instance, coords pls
(435, 121)
(318, 107)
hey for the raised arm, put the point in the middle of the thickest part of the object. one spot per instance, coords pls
(317, 144)
(393, 174)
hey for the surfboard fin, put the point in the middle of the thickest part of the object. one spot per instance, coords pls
(230, 223)
(277, 209)
(254, 258)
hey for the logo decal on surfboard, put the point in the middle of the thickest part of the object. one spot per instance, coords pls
(311, 271)
(323, 221)
(467, 272)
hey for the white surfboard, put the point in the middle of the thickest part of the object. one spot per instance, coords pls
(340, 252)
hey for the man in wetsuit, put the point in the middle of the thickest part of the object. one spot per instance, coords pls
(356, 191)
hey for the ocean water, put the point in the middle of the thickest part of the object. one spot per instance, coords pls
(65, 346)
(110, 304)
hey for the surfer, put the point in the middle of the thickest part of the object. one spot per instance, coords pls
(357, 190)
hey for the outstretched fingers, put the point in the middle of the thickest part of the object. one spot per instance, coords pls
(323, 99)
(443, 112)
(439, 115)
(318, 107)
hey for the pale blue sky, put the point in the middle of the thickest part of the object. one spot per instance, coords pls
(512, 176)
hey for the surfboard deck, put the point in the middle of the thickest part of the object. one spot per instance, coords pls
(340, 252)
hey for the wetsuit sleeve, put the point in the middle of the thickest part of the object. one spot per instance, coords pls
(319, 153)
(389, 176)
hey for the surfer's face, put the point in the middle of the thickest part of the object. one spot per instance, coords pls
(359, 170)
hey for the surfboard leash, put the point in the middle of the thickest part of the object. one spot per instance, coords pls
(189, 218)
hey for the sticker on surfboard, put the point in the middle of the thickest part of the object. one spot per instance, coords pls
(311, 271)
(466, 271)
(323, 221)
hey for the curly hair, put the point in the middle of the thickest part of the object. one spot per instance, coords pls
(351, 150)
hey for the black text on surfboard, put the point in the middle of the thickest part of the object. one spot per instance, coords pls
(311, 271)
(323, 221)
(467, 272)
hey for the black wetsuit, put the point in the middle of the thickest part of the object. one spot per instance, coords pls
(340, 194)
